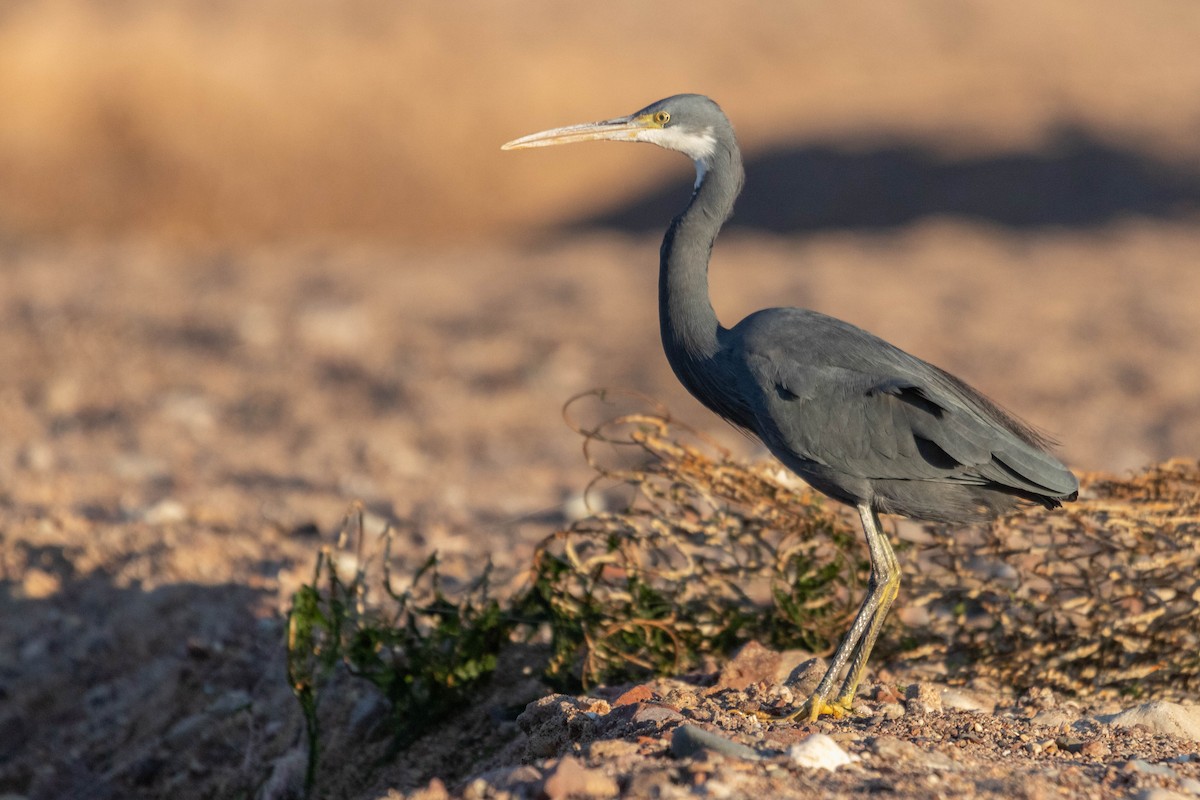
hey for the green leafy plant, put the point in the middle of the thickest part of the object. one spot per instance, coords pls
(421, 648)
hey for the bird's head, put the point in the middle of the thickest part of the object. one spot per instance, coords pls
(689, 123)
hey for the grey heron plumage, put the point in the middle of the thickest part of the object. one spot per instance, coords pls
(856, 417)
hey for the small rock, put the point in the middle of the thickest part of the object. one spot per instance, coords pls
(688, 740)
(1037, 698)
(884, 693)
(638, 694)
(554, 722)
(891, 710)
(656, 714)
(891, 750)
(964, 700)
(819, 752)
(753, 663)
(1160, 716)
(923, 698)
(570, 778)
(1053, 718)
(579, 505)
(1190, 785)
(804, 677)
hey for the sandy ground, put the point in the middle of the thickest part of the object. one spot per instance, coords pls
(249, 276)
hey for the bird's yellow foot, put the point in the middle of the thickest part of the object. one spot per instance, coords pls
(812, 710)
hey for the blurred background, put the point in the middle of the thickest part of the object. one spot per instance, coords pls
(229, 122)
(275, 247)
(259, 260)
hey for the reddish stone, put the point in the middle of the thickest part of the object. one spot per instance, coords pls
(638, 694)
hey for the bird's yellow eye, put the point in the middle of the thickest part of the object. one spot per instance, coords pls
(662, 117)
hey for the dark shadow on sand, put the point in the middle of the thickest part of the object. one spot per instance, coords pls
(1074, 181)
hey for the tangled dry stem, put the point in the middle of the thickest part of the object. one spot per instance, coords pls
(1103, 595)
(705, 553)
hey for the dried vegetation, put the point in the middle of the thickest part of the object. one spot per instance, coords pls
(1102, 595)
(705, 553)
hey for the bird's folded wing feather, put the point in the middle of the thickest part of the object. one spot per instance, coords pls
(895, 424)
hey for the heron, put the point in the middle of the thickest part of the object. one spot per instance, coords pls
(855, 417)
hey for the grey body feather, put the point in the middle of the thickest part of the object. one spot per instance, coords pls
(858, 418)
(866, 422)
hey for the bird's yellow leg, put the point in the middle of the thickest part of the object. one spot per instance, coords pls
(886, 570)
(856, 645)
(817, 704)
(845, 696)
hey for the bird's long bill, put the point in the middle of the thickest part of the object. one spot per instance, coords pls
(621, 129)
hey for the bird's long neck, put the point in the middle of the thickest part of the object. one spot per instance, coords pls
(688, 323)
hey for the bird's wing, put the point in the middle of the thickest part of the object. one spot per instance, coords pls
(889, 416)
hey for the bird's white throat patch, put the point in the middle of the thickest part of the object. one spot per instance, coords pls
(699, 145)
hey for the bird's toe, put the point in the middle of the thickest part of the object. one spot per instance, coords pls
(816, 708)
(810, 711)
